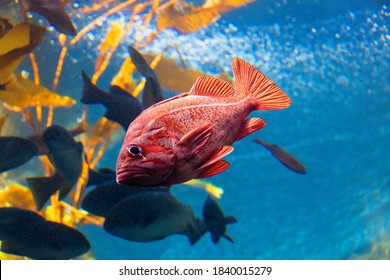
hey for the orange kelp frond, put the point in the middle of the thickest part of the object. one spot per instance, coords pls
(20, 40)
(115, 31)
(16, 195)
(22, 93)
(167, 72)
(123, 78)
(186, 18)
(208, 187)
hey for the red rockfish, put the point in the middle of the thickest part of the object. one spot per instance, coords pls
(186, 136)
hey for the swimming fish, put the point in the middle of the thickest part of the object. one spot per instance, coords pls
(152, 90)
(66, 156)
(216, 221)
(105, 196)
(121, 107)
(153, 216)
(26, 233)
(54, 12)
(186, 136)
(284, 157)
(15, 151)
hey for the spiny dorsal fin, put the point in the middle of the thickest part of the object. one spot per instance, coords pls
(212, 86)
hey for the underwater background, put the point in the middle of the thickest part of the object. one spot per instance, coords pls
(332, 59)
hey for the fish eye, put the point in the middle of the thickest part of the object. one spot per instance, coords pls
(134, 151)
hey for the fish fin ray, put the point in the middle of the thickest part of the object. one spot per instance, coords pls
(214, 169)
(212, 86)
(249, 126)
(265, 93)
(219, 154)
(196, 138)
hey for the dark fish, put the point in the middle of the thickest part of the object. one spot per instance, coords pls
(15, 151)
(105, 196)
(66, 156)
(42, 188)
(54, 12)
(216, 221)
(121, 107)
(5, 26)
(26, 233)
(152, 90)
(284, 157)
(100, 176)
(64, 152)
(153, 216)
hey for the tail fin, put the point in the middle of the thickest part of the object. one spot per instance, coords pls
(91, 93)
(250, 81)
(44, 187)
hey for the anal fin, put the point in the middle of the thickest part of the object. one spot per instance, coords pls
(249, 126)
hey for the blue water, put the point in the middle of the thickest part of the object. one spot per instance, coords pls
(333, 60)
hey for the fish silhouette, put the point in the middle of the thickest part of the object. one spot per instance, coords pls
(105, 196)
(15, 151)
(100, 176)
(215, 220)
(26, 233)
(66, 156)
(284, 157)
(152, 92)
(121, 107)
(153, 216)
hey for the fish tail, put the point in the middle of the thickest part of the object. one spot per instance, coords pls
(91, 93)
(265, 93)
(43, 187)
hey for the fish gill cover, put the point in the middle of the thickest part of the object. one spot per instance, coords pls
(331, 59)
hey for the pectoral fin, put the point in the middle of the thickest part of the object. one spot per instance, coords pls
(213, 169)
(195, 139)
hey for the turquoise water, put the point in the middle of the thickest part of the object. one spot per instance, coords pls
(333, 60)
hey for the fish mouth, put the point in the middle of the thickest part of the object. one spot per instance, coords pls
(134, 175)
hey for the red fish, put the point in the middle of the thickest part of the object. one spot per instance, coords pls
(186, 136)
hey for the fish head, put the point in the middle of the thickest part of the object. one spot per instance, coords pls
(147, 157)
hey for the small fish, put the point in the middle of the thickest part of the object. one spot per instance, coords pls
(153, 216)
(106, 195)
(121, 107)
(186, 137)
(216, 221)
(66, 156)
(26, 233)
(15, 151)
(54, 12)
(152, 90)
(64, 152)
(284, 157)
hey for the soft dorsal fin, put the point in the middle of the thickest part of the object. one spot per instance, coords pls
(212, 86)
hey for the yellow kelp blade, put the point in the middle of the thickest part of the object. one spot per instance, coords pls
(123, 78)
(16, 195)
(21, 93)
(18, 37)
(13, 47)
(187, 18)
(174, 77)
(208, 187)
(116, 30)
